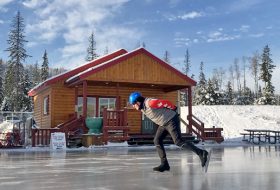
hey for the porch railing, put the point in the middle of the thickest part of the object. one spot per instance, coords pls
(115, 126)
(41, 137)
(197, 127)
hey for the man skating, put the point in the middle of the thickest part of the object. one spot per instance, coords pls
(163, 113)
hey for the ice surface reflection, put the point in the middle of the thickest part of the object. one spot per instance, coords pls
(250, 167)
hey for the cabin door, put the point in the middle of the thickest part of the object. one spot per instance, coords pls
(148, 127)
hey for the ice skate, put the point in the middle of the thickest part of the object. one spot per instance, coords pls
(162, 167)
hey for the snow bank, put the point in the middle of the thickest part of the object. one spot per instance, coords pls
(234, 119)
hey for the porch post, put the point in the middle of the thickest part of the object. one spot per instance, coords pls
(84, 99)
(76, 101)
(190, 108)
(118, 97)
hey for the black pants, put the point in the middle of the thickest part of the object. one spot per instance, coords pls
(173, 128)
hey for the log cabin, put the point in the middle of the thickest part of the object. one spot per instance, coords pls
(104, 84)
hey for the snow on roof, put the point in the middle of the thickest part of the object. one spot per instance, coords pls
(76, 77)
(97, 66)
(61, 75)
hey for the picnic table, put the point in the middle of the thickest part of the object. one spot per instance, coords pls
(257, 136)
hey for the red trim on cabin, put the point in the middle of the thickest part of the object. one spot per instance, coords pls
(82, 68)
(129, 55)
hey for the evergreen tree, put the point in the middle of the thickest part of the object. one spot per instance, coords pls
(200, 89)
(36, 74)
(229, 94)
(25, 99)
(15, 71)
(211, 97)
(106, 51)
(187, 63)
(266, 69)
(91, 50)
(45, 67)
(166, 57)
(6, 104)
(143, 45)
(1, 81)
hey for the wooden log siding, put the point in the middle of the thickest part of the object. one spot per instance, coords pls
(134, 70)
(63, 102)
(43, 121)
(131, 70)
(134, 117)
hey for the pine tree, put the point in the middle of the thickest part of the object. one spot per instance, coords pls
(36, 74)
(187, 63)
(229, 94)
(106, 51)
(211, 97)
(200, 89)
(166, 57)
(1, 82)
(266, 69)
(91, 50)
(15, 71)
(25, 99)
(143, 45)
(45, 67)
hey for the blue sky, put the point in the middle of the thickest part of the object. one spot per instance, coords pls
(214, 31)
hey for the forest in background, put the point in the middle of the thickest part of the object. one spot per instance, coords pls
(225, 86)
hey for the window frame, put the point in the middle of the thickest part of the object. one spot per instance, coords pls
(46, 105)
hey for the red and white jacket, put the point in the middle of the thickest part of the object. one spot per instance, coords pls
(159, 111)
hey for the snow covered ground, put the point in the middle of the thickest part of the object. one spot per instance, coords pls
(234, 119)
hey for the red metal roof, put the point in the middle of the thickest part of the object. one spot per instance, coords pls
(99, 64)
(75, 71)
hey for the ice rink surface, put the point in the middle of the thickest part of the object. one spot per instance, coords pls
(130, 168)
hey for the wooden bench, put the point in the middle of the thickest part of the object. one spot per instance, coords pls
(244, 136)
(262, 135)
(276, 137)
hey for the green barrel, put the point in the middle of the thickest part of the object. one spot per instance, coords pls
(94, 124)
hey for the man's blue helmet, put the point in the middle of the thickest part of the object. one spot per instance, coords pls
(133, 97)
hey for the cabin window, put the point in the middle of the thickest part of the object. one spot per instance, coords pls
(46, 105)
(109, 103)
(91, 106)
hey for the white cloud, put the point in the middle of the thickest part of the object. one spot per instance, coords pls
(244, 28)
(256, 35)
(34, 3)
(173, 3)
(185, 16)
(217, 36)
(181, 41)
(1, 22)
(3, 3)
(59, 18)
(71, 22)
(195, 41)
(190, 15)
(242, 5)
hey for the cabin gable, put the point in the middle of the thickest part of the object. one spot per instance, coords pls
(140, 68)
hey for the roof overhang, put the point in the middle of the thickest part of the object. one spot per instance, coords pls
(162, 87)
